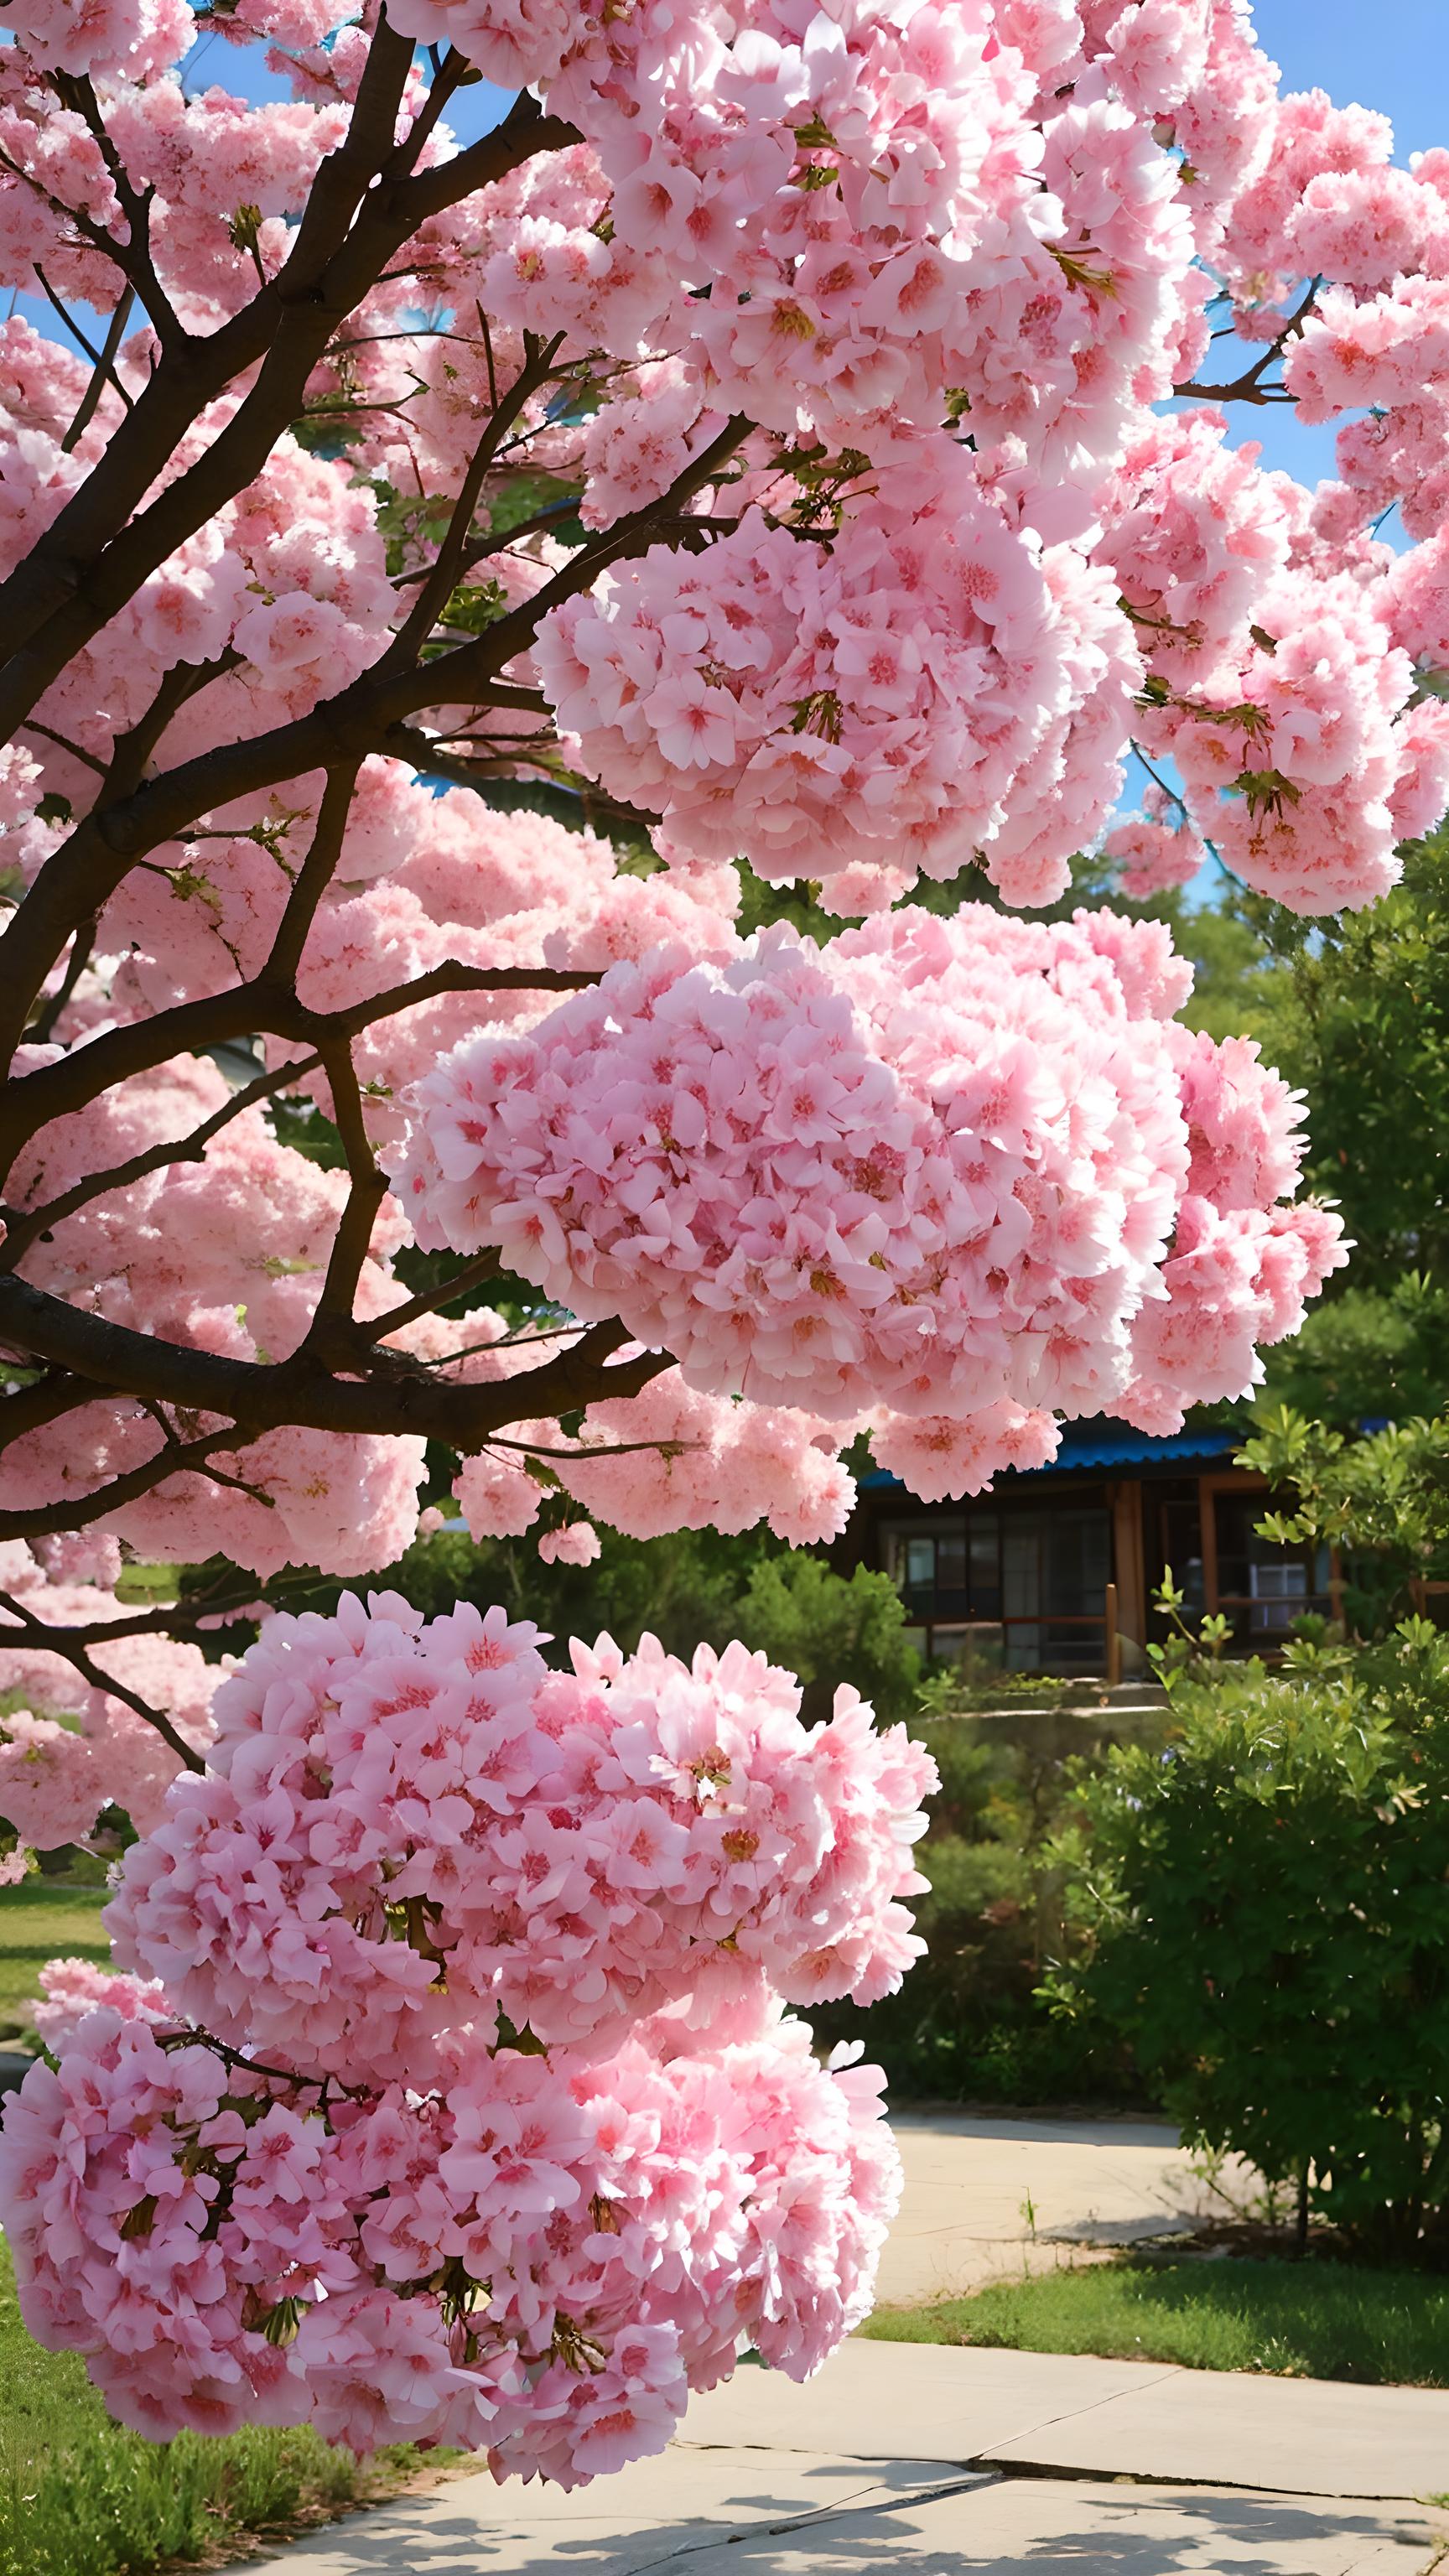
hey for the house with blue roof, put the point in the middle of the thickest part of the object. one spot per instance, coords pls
(1043, 1573)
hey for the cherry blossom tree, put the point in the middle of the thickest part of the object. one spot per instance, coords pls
(751, 447)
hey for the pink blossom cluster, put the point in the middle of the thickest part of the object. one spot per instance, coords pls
(1243, 1260)
(1194, 531)
(73, 1749)
(496, 2133)
(126, 39)
(670, 1458)
(290, 579)
(942, 1458)
(1347, 255)
(1151, 854)
(539, 2259)
(1302, 752)
(72, 1988)
(933, 1165)
(1156, 849)
(888, 208)
(407, 1825)
(933, 687)
(936, 267)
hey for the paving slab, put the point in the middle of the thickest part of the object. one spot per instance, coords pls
(682, 2501)
(832, 2518)
(919, 2400)
(1243, 2429)
(986, 2195)
(1065, 2411)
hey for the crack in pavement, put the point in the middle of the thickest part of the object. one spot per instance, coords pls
(1070, 2414)
(721, 2538)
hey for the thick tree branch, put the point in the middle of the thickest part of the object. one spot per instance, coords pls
(80, 877)
(394, 1402)
(246, 1010)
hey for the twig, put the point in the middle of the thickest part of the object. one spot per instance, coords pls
(54, 1641)
(104, 374)
(427, 1301)
(79, 1511)
(43, 1025)
(23, 1225)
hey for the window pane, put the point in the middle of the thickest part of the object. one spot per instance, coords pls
(1182, 1550)
(1077, 1563)
(985, 1541)
(951, 1560)
(920, 1565)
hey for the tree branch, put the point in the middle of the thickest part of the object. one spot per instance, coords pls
(63, 1642)
(313, 877)
(1248, 387)
(362, 208)
(43, 1025)
(81, 875)
(443, 576)
(81, 1511)
(366, 1192)
(427, 1302)
(394, 1402)
(49, 1399)
(22, 1226)
(246, 1010)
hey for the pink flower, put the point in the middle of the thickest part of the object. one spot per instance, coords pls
(576, 1543)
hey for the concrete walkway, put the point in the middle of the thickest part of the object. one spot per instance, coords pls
(1062, 2412)
(721, 2513)
(933, 2461)
(988, 2194)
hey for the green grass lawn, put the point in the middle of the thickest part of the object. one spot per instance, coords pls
(143, 1585)
(1313, 2320)
(40, 1921)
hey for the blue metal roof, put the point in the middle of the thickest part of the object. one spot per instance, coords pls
(1108, 1446)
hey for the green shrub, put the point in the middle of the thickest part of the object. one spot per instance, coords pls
(969, 2024)
(796, 1609)
(1260, 1908)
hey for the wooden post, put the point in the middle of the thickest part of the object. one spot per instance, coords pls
(1129, 1571)
(1208, 1542)
(1114, 1642)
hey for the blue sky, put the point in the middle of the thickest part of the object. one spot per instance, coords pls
(1388, 54)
